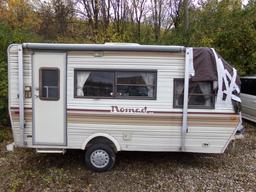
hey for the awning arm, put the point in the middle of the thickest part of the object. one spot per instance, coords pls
(21, 92)
(189, 71)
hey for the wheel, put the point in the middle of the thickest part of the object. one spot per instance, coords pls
(100, 157)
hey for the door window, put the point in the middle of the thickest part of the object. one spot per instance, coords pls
(49, 84)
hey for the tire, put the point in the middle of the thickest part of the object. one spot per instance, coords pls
(100, 157)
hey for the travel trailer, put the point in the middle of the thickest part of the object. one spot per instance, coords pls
(106, 98)
(248, 97)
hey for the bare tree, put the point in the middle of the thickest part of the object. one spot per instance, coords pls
(160, 16)
(165, 15)
(89, 10)
(63, 14)
(139, 9)
(105, 11)
(96, 14)
(55, 17)
(120, 10)
(175, 11)
(186, 15)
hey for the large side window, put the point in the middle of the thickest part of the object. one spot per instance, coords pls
(115, 84)
(201, 94)
(49, 84)
(248, 86)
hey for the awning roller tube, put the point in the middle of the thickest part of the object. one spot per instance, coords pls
(103, 47)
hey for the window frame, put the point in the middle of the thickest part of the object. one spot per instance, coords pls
(41, 84)
(115, 96)
(244, 86)
(213, 95)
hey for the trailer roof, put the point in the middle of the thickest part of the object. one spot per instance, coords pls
(103, 47)
(249, 77)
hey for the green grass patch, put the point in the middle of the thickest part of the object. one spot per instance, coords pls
(5, 134)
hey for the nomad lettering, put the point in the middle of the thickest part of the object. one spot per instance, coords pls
(129, 110)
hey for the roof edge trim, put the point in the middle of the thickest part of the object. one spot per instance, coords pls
(103, 47)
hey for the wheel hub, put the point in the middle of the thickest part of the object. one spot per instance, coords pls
(99, 158)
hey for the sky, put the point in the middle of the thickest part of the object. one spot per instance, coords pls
(245, 1)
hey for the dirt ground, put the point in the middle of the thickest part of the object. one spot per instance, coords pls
(235, 170)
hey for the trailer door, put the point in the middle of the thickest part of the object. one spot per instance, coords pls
(49, 98)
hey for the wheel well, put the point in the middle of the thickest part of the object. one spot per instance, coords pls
(103, 140)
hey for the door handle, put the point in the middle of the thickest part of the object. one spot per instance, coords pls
(36, 91)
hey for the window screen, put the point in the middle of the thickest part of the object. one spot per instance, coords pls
(115, 84)
(49, 84)
(201, 94)
(248, 86)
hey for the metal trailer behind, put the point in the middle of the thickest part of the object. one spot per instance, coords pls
(248, 97)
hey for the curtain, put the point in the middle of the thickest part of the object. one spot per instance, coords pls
(206, 90)
(82, 76)
(179, 90)
(149, 80)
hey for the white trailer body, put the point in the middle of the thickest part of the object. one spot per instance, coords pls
(63, 96)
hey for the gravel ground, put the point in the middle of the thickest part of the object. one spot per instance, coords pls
(235, 170)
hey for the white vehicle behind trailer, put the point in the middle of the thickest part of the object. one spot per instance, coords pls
(105, 98)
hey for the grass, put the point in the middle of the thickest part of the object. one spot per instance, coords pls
(5, 134)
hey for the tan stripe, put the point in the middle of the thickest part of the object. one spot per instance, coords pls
(212, 120)
(27, 116)
(110, 119)
(174, 120)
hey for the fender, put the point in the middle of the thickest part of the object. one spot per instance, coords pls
(88, 139)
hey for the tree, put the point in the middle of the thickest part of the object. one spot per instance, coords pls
(138, 12)
(9, 35)
(19, 14)
(237, 42)
(226, 26)
(56, 17)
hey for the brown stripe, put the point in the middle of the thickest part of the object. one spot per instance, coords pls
(19, 108)
(207, 113)
(156, 112)
(90, 110)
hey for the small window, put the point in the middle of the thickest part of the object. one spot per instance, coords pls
(248, 86)
(115, 84)
(201, 94)
(49, 84)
